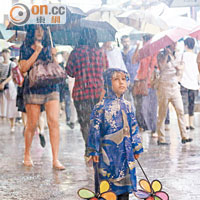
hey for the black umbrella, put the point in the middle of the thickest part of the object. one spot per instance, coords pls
(1, 36)
(71, 35)
(73, 14)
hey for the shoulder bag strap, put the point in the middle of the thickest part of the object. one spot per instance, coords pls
(9, 71)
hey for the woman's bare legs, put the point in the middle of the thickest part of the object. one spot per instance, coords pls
(52, 112)
(33, 113)
(41, 123)
(41, 130)
(24, 119)
(12, 124)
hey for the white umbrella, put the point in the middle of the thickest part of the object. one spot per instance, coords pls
(106, 13)
(4, 44)
(143, 21)
(180, 22)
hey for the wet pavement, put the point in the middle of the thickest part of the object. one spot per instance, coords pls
(177, 166)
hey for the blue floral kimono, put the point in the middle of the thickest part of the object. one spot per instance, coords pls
(115, 139)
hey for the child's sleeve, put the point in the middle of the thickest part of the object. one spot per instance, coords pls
(94, 131)
(136, 139)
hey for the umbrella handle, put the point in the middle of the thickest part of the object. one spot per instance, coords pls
(50, 36)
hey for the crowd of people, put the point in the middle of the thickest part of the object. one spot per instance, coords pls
(99, 79)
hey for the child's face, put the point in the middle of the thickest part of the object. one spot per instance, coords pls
(119, 83)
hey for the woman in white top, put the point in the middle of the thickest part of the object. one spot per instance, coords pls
(8, 91)
(189, 82)
(114, 56)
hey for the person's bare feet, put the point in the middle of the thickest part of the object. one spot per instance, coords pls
(28, 162)
(57, 165)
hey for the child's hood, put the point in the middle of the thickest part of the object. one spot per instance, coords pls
(107, 75)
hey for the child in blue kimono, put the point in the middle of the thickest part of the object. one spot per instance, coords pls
(114, 142)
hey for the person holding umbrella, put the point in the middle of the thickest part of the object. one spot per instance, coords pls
(37, 47)
(168, 90)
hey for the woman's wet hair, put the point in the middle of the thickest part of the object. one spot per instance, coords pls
(30, 36)
(189, 42)
(45, 54)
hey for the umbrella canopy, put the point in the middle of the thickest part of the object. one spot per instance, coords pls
(72, 14)
(5, 34)
(106, 13)
(195, 32)
(181, 22)
(18, 37)
(181, 3)
(143, 21)
(4, 44)
(162, 40)
(71, 35)
(136, 35)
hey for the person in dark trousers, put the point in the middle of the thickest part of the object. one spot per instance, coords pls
(86, 64)
(189, 82)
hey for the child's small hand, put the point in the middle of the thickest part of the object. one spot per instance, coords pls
(89, 161)
(95, 159)
(136, 156)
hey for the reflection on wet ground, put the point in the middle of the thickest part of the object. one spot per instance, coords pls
(176, 166)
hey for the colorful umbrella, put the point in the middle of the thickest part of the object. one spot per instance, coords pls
(195, 32)
(162, 40)
(151, 191)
